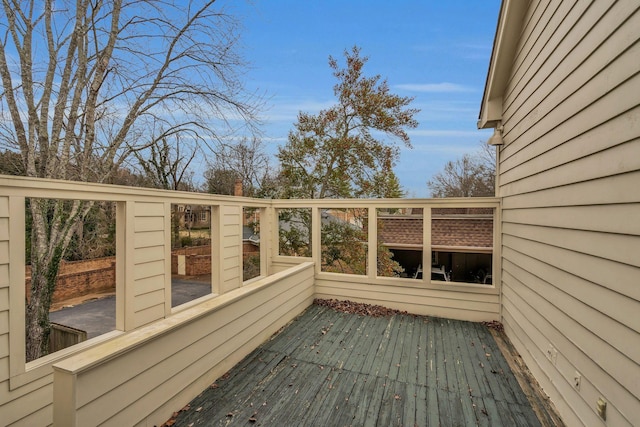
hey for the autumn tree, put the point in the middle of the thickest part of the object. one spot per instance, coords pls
(348, 150)
(344, 247)
(472, 175)
(83, 85)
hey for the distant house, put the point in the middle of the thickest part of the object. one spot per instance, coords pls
(194, 216)
(461, 242)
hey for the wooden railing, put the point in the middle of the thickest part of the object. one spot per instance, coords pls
(286, 285)
(465, 297)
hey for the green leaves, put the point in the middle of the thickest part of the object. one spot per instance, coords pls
(348, 150)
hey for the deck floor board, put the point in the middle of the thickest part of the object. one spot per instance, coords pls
(335, 369)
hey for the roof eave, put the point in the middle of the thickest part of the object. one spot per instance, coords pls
(505, 44)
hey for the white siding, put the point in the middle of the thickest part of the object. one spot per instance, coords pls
(570, 178)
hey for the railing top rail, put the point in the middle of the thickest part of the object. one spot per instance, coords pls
(475, 202)
(74, 190)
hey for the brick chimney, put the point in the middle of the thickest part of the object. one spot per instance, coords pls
(237, 189)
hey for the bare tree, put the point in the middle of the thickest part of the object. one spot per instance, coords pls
(244, 160)
(220, 181)
(166, 164)
(11, 163)
(472, 175)
(83, 82)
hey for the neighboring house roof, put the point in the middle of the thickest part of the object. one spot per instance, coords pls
(462, 232)
(401, 231)
(248, 235)
(447, 232)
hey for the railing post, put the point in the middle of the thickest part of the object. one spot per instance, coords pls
(167, 258)
(316, 237)
(14, 259)
(496, 259)
(372, 246)
(426, 244)
(270, 232)
(216, 250)
(124, 266)
(231, 249)
(265, 222)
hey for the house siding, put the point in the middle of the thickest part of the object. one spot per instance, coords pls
(466, 302)
(181, 356)
(568, 177)
(231, 248)
(149, 273)
(143, 285)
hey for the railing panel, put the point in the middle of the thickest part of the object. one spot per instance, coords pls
(456, 245)
(144, 275)
(5, 227)
(162, 367)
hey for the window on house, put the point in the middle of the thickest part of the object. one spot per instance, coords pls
(82, 273)
(190, 253)
(251, 262)
(294, 232)
(343, 240)
(400, 242)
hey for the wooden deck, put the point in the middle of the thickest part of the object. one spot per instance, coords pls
(334, 369)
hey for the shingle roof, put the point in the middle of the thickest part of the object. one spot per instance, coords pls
(449, 231)
(474, 232)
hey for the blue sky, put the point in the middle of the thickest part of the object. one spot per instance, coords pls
(435, 51)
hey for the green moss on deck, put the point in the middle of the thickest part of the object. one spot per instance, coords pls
(335, 369)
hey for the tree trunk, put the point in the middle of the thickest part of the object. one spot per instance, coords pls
(51, 231)
(43, 281)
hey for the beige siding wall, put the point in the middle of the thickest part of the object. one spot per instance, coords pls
(4, 288)
(181, 356)
(25, 400)
(150, 275)
(462, 302)
(5, 227)
(231, 230)
(569, 178)
(143, 281)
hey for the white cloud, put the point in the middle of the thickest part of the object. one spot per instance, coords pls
(439, 111)
(444, 87)
(441, 148)
(288, 111)
(446, 133)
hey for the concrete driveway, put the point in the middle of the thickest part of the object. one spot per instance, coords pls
(98, 316)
